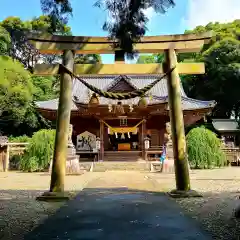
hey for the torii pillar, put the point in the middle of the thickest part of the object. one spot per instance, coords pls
(183, 188)
(56, 191)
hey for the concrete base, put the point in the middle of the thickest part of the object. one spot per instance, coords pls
(72, 165)
(168, 166)
(184, 194)
(55, 196)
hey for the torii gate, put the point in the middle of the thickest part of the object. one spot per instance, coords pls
(69, 45)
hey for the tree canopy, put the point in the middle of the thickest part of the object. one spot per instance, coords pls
(16, 90)
(128, 20)
(18, 113)
(221, 56)
(153, 58)
(221, 82)
(5, 41)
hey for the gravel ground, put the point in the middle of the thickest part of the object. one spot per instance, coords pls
(20, 212)
(215, 211)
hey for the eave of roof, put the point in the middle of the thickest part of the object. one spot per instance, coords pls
(157, 95)
(226, 125)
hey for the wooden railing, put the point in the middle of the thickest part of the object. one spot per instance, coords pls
(6, 149)
(233, 155)
(17, 148)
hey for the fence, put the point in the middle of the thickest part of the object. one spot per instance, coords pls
(233, 155)
(6, 149)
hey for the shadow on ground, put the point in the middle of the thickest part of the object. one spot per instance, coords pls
(119, 213)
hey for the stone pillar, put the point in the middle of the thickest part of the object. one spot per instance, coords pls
(177, 124)
(143, 135)
(168, 164)
(101, 153)
(62, 129)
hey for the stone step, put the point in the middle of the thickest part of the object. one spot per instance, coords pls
(86, 166)
(122, 156)
(120, 166)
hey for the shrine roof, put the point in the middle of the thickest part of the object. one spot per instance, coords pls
(158, 94)
(225, 125)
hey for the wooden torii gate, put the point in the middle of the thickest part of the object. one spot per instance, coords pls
(68, 46)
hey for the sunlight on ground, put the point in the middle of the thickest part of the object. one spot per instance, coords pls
(21, 212)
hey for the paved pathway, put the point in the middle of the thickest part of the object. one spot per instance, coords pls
(124, 211)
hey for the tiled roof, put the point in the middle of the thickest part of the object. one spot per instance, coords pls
(158, 93)
(225, 125)
(52, 105)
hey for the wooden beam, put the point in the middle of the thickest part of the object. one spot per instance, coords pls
(45, 37)
(106, 48)
(121, 69)
(54, 44)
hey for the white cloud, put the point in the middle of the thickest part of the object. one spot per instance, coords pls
(201, 12)
(149, 13)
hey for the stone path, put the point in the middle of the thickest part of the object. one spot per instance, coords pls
(117, 206)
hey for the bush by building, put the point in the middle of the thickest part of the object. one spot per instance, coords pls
(204, 149)
(39, 152)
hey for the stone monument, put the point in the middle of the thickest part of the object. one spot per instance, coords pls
(168, 165)
(72, 163)
(72, 160)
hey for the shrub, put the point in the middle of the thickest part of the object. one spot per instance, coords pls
(19, 139)
(39, 151)
(14, 161)
(204, 149)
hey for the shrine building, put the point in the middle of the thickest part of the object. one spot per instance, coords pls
(122, 125)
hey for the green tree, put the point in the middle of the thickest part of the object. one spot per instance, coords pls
(44, 88)
(16, 88)
(146, 59)
(18, 114)
(88, 59)
(204, 149)
(39, 151)
(5, 41)
(222, 78)
(153, 58)
(20, 49)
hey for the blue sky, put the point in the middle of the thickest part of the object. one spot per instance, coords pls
(88, 20)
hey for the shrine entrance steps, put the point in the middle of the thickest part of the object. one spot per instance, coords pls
(122, 156)
(120, 166)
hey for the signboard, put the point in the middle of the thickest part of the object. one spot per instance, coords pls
(86, 141)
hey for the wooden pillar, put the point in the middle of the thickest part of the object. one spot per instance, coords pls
(143, 135)
(63, 121)
(177, 124)
(101, 153)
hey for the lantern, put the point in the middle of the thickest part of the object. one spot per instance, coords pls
(98, 143)
(142, 102)
(146, 143)
(94, 100)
